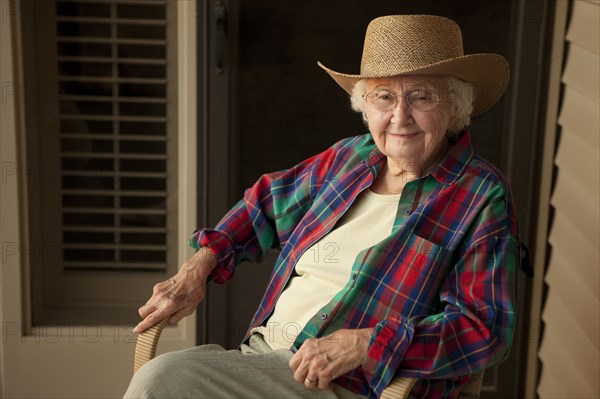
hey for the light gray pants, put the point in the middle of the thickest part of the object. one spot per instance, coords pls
(209, 371)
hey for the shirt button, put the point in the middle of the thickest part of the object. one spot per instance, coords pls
(323, 316)
(354, 276)
(407, 212)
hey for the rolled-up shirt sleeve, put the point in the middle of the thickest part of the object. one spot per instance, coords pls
(265, 217)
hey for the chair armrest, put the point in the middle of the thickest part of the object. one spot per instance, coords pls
(145, 347)
(145, 350)
(399, 388)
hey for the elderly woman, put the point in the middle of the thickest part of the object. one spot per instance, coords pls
(398, 248)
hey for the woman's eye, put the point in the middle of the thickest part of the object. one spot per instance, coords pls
(421, 96)
(384, 96)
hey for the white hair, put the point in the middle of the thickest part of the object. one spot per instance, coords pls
(460, 93)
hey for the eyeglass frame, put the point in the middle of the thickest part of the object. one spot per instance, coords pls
(405, 97)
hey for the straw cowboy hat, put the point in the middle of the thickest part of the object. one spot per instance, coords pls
(426, 45)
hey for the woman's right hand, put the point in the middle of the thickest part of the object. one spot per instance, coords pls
(180, 295)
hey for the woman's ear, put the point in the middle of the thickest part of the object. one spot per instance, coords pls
(454, 118)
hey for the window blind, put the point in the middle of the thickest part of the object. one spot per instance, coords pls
(570, 346)
(113, 114)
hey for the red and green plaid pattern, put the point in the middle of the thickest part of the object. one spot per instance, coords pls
(439, 291)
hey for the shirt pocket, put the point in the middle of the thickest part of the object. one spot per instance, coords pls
(412, 272)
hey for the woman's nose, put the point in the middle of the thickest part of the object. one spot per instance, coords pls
(401, 113)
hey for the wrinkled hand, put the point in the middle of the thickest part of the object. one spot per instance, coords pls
(180, 295)
(321, 360)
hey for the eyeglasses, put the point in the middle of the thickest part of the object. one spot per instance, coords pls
(421, 100)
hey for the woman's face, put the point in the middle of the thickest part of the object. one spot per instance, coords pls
(407, 135)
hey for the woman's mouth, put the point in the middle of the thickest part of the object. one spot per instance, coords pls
(406, 136)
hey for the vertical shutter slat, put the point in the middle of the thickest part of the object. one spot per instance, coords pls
(571, 199)
(574, 158)
(580, 117)
(581, 72)
(585, 32)
(573, 381)
(560, 279)
(580, 245)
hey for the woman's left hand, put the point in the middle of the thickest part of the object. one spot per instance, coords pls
(321, 360)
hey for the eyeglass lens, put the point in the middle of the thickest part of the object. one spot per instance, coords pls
(422, 100)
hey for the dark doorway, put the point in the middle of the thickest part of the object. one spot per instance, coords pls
(268, 106)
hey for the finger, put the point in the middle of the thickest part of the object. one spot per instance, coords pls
(148, 322)
(147, 309)
(332, 369)
(317, 367)
(142, 311)
(311, 383)
(295, 361)
(301, 371)
(311, 377)
(158, 301)
(159, 292)
(151, 320)
(324, 383)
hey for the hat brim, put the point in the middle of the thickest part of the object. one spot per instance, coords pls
(488, 73)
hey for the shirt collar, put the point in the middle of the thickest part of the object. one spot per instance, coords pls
(456, 159)
(452, 165)
(375, 158)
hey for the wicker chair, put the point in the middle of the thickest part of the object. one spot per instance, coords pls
(399, 388)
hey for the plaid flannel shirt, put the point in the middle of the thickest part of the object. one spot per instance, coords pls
(439, 291)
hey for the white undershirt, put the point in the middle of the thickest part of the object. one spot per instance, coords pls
(325, 267)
